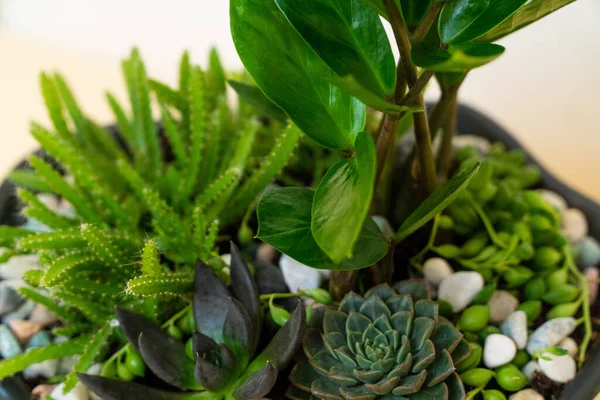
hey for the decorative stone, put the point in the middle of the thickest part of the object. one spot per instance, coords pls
(10, 299)
(570, 345)
(49, 200)
(560, 369)
(43, 316)
(460, 289)
(46, 369)
(24, 329)
(22, 312)
(66, 209)
(226, 259)
(515, 327)
(502, 304)
(592, 274)
(95, 369)
(9, 345)
(551, 333)
(531, 368)
(384, 226)
(555, 199)
(526, 394)
(588, 253)
(66, 364)
(18, 265)
(481, 144)
(41, 392)
(79, 392)
(574, 225)
(436, 269)
(266, 253)
(299, 276)
(40, 339)
(498, 350)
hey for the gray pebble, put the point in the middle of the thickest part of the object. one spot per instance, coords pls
(43, 316)
(592, 274)
(588, 253)
(22, 312)
(551, 333)
(526, 394)
(46, 369)
(502, 304)
(9, 345)
(40, 339)
(530, 368)
(515, 327)
(435, 270)
(574, 225)
(10, 299)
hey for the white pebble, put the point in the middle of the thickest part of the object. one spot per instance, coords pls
(531, 368)
(460, 289)
(551, 333)
(560, 369)
(570, 345)
(46, 369)
(574, 225)
(18, 265)
(592, 274)
(526, 394)
(515, 327)
(226, 259)
(78, 393)
(299, 276)
(436, 269)
(498, 350)
(502, 304)
(555, 199)
(384, 226)
(481, 144)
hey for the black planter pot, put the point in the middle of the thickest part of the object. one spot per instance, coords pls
(587, 382)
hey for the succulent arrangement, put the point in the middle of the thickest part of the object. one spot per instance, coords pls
(134, 264)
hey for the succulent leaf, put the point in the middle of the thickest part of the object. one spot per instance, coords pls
(210, 301)
(389, 344)
(258, 384)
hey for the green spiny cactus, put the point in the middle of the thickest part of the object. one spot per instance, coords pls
(147, 202)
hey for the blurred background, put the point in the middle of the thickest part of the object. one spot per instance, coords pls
(545, 89)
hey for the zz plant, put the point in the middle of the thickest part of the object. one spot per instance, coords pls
(337, 58)
(147, 201)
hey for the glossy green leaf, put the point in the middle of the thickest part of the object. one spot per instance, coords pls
(456, 16)
(532, 11)
(462, 21)
(457, 58)
(342, 200)
(289, 73)
(441, 198)
(498, 12)
(253, 96)
(284, 220)
(349, 37)
(350, 85)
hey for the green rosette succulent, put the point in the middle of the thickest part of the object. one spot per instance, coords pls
(389, 344)
(228, 332)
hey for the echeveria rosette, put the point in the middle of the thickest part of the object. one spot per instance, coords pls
(389, 344)
(228, 326)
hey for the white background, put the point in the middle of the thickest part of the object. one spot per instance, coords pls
(545, 88)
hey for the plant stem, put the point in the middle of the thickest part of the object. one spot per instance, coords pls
(421, 31)
(385, 140)
(416, 90)
(422, 135)
(438, 114)
(449, 127)
(341, 282)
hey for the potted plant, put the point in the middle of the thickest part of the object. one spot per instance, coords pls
(475, 295)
